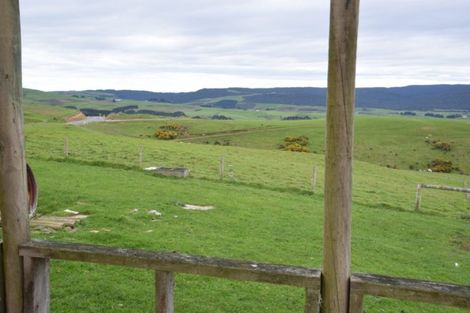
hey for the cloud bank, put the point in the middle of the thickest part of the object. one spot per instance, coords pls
(183, 45)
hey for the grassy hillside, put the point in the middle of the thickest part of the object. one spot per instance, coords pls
(247, 223)
(264, 211)
(273, 169)
(395, 142)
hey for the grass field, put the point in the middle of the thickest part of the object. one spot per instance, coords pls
(266, 212)
(405, 149)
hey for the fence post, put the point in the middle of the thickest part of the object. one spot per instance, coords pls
(164, 290)
(356, 302)
(221, 168)
(312, 300)
(314, 178)
(418, 197)
(344, 16)
(36, 285)
(141, 155)
(2, 281)
(13, 188)
(465, 185)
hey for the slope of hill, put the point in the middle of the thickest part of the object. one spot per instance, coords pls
(426, 97)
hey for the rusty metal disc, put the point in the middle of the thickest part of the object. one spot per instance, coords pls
(32, 192)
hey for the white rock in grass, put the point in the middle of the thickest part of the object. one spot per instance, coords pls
(198, 207)
(154, 213)
(71, 212)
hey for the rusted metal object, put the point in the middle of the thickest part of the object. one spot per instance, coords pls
(32, 192)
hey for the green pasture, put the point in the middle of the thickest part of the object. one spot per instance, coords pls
(395, 142)
(265, 209)
(249, 223)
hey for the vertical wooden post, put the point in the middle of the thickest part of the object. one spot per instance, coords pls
(36, 285)
(2, 281)
(314, 178)
(418, 197)
(13, 190)
(356, 302)
(66, 147)
(164, 289)
(338, 157)
(221, 168)
(465, 185)
(312, 301)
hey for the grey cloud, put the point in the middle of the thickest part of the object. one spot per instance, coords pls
(272, 41)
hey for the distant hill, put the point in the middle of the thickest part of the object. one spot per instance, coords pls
(425, 97)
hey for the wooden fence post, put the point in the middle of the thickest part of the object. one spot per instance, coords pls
(344, 16)
(418, 197)
(312, 300)
(2, 281)
(221, 168)
(356, 302)
(36, 285)
(314, 178)
(13, 190)
(164, 290)
(141, 155)
(465, 185)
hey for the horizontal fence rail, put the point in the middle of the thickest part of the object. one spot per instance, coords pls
(175, 262)
(406, 289)
(165, 264)
(37, 253)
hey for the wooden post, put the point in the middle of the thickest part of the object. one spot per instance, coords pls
(356, 302)
(312, 300)
(314, 178)
(465, 185)
(164, 288)
(2, 281)
(418, 197)
(36, 283)
(13, 190)
(221, 168)
(338, 156)
(66, 147)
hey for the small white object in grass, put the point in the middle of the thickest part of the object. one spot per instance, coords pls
(71, 212)
(154, 212)
(94, 231)
(254, 265)
(198, 207)
(151, 168)
(456, 264)
(149, 231)
(135, 210)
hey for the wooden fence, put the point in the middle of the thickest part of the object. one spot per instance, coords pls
(419, 187)
(36, 256)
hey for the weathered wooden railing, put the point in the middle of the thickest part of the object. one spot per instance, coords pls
(36, 255)
(405, 289)
(438, 187)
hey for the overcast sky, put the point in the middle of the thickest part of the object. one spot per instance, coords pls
(182, 45)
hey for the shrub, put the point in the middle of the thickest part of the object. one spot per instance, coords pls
(166, 134)
(444, 146)
(295, 144)
(440, 166)
(295, 147)
(179, 129)
(170, 131)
